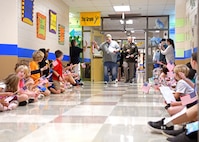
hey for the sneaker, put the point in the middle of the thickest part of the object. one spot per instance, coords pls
(172, 133)
(159, 126)
(133, 80)
(105, 82)
(24, 103)
(183, 138)
(31, 100)
(115, 81)
(41, 96)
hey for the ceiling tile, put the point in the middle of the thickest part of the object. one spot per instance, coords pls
(105, 9)
(100, 4)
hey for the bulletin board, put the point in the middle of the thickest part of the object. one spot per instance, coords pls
(41, 26)
(27, 7)
(52, 21)
(61, 34)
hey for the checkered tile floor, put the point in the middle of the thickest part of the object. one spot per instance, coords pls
(93, 113)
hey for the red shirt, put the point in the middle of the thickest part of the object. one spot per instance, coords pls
(58, 69)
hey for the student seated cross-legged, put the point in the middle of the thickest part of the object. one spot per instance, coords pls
(36, 72)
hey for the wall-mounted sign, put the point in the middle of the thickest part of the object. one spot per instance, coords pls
(61, 35)
(27, 11)
(90, 18)
(52, 21)
(41, 26)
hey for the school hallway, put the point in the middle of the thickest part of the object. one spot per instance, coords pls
(92, 113)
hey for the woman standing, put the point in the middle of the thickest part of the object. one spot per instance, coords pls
(169, 51)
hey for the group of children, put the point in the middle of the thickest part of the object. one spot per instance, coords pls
(34, 80)
(184, 110)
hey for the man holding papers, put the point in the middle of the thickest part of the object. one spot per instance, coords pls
(110, 48)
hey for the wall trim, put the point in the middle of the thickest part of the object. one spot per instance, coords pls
(14, 50)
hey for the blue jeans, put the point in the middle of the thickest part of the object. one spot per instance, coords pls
(113, 68)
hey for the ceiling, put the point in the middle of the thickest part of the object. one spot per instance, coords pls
(144, 7)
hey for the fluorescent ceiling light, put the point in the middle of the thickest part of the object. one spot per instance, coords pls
(128, 22)
(157, 31)
(121, 8)
(132, 31)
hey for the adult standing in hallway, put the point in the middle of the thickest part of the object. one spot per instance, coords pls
(169, 51)
(130, 51)
(163, 45)
(75, 55)
(110, 48)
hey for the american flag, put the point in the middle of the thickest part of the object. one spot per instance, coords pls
(49, 76)
(170, 67)
(43, 80)
(41, 88)
(188, 99)
(55, 63)
(24, 88)
(146, 87)
(170, 74)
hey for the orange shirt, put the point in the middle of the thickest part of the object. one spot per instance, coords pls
(34, 66)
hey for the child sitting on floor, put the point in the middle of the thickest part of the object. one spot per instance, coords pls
(36, 71)
(57, 71)
(182, 88)
(26, 87)
(51, 86)
(8, 90)
(4, 104)
(163, 75)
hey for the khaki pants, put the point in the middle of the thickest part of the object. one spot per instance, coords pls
(57, 84)
(129, 69)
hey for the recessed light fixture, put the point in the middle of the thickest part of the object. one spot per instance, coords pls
(132, 31)
(122, 8)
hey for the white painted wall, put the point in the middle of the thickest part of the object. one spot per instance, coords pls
(8, 18)
(27, 33)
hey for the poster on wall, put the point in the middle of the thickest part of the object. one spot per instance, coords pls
(27, 7)
(52, 21)
(61, 34)
(41, 26)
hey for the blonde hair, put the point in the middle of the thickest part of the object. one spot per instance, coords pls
(24, 68)
(181, 68)
(38, 56)
(12, 82)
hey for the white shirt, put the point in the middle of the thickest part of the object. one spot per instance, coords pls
(184, 88)
(169, 54)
